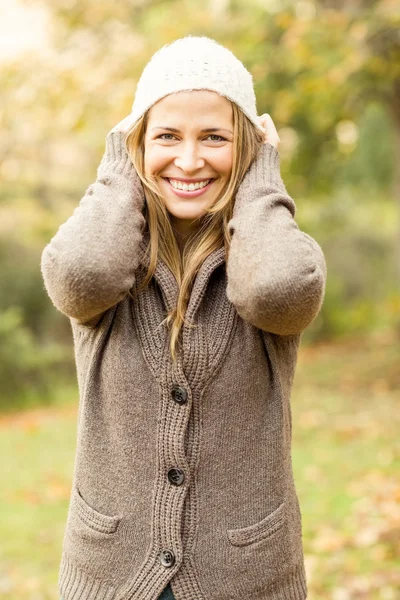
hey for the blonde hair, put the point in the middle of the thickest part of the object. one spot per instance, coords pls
(212, 232)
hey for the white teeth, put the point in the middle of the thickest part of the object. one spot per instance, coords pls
(179, 185)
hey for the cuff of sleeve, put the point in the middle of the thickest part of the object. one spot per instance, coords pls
(262, 178)
(266, 168)
(116, 159)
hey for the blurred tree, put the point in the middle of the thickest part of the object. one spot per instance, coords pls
(316, 66)
(321, 64)
(326, 71)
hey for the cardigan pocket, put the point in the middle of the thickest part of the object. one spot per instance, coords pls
(92, 518)
(260, 530)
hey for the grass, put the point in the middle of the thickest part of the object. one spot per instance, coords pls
(346, 453)
(346, 456)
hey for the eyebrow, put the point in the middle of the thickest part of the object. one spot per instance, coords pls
(209, 130)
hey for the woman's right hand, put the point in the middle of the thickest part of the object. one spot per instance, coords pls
(124, 125)
(90, 264)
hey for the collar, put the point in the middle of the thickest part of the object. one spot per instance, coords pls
(168, 283)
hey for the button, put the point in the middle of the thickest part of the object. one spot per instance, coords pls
(176, 476)
(179, 394)
(167, 558)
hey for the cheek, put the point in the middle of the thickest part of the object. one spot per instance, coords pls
(224, 162)
(154, 160)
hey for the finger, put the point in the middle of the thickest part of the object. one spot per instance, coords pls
(124, 125)
(272, 135)
(262, 120)
(271, 125)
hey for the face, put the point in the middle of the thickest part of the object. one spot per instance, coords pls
(188, 148)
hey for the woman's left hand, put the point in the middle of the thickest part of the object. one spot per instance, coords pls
(271, 134)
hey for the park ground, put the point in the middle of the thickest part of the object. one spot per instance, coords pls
(346, 456)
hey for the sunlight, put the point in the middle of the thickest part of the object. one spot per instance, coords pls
(22, 29)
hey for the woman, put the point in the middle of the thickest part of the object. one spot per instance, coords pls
(188, 285)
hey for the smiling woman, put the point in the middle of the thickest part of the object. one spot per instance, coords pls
(188, 284)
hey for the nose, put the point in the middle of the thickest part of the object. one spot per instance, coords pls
(189, 159)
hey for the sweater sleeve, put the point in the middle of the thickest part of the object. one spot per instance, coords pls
(89, 265)
(276, 273)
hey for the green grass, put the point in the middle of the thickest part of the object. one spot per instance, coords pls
(39, 445)
(346, 456)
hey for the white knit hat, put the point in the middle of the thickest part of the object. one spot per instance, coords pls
(195, 63)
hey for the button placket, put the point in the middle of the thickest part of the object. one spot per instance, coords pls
(175, 388)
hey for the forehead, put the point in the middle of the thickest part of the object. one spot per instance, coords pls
(199, 105)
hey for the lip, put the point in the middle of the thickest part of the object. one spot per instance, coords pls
(194, 180)
(194, 193)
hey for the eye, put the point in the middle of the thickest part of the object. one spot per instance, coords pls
(221, 139)
(162, 136)
(212, 135)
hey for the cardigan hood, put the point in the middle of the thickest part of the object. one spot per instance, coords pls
(183, 472)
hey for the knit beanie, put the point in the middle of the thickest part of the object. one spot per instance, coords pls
(195, 63)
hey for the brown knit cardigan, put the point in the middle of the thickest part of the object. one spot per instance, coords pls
(183, 473)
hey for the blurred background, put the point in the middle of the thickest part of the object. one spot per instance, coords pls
(328, 72)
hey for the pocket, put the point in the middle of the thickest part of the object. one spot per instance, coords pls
(259, 531)
(92, 518)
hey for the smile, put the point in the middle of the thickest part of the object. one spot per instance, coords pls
(184, 190)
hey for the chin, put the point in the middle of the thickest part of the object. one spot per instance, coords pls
(186, 215)
(187, 212)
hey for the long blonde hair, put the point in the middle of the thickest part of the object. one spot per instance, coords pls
(212, 232)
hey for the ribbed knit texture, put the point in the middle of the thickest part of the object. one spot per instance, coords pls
(233, 524)
(195, 63)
